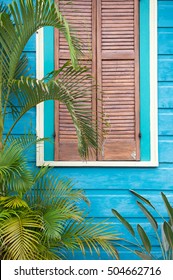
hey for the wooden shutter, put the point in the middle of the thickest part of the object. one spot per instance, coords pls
(81, 15)
(118, 74)
(109, 29)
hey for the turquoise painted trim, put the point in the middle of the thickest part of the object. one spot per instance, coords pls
(49, 105)
(144, 80)
(144, 85)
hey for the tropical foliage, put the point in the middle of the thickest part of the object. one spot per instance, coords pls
(163, 234)
(19, 91)
(41, 216)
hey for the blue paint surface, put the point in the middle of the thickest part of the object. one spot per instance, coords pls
(109, 187)
(144, 81)
(49, 105)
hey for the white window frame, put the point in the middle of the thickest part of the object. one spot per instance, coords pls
(153, 107)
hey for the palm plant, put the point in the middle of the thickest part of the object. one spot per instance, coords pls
(163, 234)
(19, 92)
(40, 216)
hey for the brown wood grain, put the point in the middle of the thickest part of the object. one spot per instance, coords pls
(109, 30)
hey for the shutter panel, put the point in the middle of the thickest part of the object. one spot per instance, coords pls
(118, 75)
(81, 15)
(109, 30)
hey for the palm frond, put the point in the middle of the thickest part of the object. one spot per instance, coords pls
(5, 214)
(27, 16)
(14, 172)
(48, 252)
(50, 191)
(5, 44)
(73, 88)
(40, 173)
(22, 68)
(53, 224)
(20, 239)
(12, 202)
(87, 235)
(26, 141)
(3, 7)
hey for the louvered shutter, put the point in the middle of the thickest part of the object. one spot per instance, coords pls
(118, 74)
(109, 29)
(81, 15)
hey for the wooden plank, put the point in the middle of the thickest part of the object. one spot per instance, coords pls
(166, 152)
(165, 9)
(165, 41)
(165, 68)
(119, 179)
(102, 204)
(165, 123)
(117, 149)
(165, 95)
(123, 55)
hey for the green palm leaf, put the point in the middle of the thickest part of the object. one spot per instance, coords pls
(12, 202)
(55, 192)
(26, 141)
(53, 224)
(14, 171)
(3, 7)
(22, 68)
(87, 235)
(70, 89)
(5, 214)
(48, 252)
(27, 17)
(19, 236)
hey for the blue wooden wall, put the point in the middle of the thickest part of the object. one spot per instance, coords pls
(109, 187)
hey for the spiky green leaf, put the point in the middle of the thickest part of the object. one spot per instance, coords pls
(168, 207)
(149, 216)
(168, 233)
(142, 198)
(123, 221)
(144, 238)
(142, 255)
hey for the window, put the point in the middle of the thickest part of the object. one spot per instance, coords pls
(116, 35)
